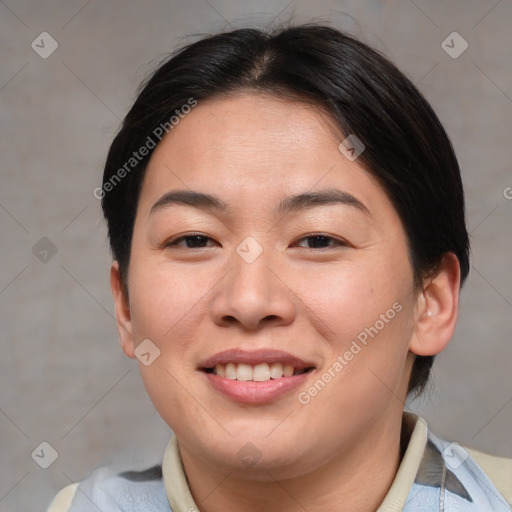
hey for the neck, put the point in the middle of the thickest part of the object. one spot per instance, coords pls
(355, 481)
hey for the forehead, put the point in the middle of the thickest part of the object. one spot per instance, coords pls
(255, 149)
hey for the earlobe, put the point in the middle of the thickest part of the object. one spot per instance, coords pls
(437, 309)
(123, 314)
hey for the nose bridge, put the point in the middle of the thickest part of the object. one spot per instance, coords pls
(252, 292)
(253, 278)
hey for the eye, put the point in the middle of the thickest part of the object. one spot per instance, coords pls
(200, 241)
(320, 241)
(193, 241)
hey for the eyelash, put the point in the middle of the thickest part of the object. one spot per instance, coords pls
(337, 242)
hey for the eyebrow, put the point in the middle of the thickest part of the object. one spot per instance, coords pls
(290, 204)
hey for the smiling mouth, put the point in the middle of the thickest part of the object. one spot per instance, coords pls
(260, 372)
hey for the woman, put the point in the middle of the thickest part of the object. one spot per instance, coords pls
(286, 217)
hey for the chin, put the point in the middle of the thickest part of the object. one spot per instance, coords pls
(254, 457)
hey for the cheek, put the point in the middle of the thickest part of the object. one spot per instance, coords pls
(343, 301)
(172, 396)
(366, 322)
(368, 348)
(166, 302)
(167, 305)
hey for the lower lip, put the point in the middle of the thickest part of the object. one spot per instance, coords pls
(252, 392)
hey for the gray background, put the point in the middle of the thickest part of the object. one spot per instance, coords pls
(63, 378)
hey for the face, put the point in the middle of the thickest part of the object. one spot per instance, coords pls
(272, 273)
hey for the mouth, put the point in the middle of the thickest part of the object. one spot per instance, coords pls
(260, 372)
(255, 377)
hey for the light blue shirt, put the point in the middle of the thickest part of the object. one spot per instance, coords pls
(448, 480)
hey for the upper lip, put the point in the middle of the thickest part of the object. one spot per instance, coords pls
(254, 357)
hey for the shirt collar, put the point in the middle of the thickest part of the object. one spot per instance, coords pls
(416, 428)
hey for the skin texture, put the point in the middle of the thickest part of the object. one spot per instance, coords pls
(252, 151)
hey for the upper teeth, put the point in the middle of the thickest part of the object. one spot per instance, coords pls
(259, 372)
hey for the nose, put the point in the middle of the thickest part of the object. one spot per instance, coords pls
(252, 295)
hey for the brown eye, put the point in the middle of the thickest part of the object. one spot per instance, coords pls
(320, 242)
(191, 241)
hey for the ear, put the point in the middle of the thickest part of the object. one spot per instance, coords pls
(123, 314)
(437, 309)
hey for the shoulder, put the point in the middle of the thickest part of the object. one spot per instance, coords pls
(63, 499)
(129, 491)
(497, 469)
(471, 478)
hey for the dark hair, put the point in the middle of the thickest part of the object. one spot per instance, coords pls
(406, 148)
